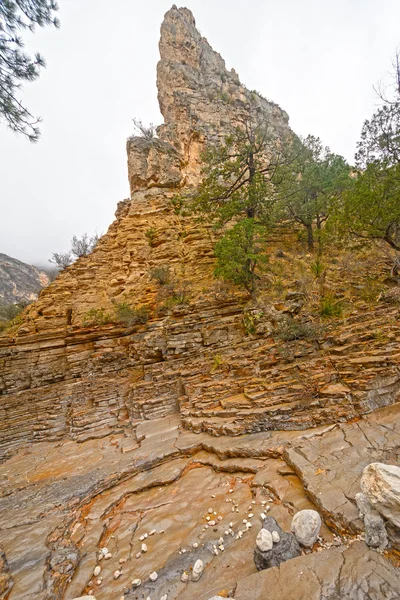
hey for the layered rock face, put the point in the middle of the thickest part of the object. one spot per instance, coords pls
(61, 379)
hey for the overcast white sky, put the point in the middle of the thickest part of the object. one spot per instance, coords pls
(318, 59)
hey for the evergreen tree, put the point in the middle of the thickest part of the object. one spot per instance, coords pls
(237, 195)
(371, 210)
(310, 184)
(15, 65)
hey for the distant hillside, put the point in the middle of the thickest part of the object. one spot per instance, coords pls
(19, 281)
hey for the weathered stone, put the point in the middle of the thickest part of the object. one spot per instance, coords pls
(353, 574)
(284, 550)
(381, 485)
(306, 525)
(264, 540)
(198, 569)
(375, 530)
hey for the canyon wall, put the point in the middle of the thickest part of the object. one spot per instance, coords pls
(60, 378)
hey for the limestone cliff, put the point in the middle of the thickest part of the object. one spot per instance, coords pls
(19, 281)
(59, 378)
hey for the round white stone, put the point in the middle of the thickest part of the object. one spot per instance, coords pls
(264, 540)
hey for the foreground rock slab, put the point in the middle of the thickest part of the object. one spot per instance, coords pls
(353, 574)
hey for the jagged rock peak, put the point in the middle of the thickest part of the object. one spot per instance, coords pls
(196, 92)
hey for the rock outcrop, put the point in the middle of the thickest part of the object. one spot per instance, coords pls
(19, 281)
(63, 378)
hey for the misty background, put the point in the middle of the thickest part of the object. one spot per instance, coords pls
(318, 59)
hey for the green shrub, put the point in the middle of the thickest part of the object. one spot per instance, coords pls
(10, 314)
(151, 236)
(317, 268)
(250, 320)
(96, 316)
(161, 274)
(371, 290)
(218, 361)
(330, 306)
(173, 294)
(288, 330)
(128, 315)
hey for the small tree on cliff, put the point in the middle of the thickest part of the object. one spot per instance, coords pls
(82, 246)
(371, 210)
(238, 194)
(15, 65)
(310, 185)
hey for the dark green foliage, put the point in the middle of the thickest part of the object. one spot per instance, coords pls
(238, 187)
(16, 66)
(371, 209)
(241, 253)
(288, 330)
(317, 267)
(330, 306)
(310, 184)
(161, 274)
(239, 173)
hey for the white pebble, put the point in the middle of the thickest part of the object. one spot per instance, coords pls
(212, 523)
(138, 554)
(208, 518)
(244, 521)
(117, 574)
(250, 516)
(230, 524)
(221, 540)
(153, 576)
(141, 538)
(231, 491)
(108, 556)
(253, 501)
(100, 579)
(226, 532)
(210, 511)
(146, 536)
(263, 516)
(184, 577)
(221, 547)
(248, 525)
(144, 548)
(136, 582)
(165, 597)
(195, 545)
(219, 518)
(104, 551)
(97, 571)
(152, 532)
(275, 537)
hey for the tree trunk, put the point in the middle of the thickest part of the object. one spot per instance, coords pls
(310, 237)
